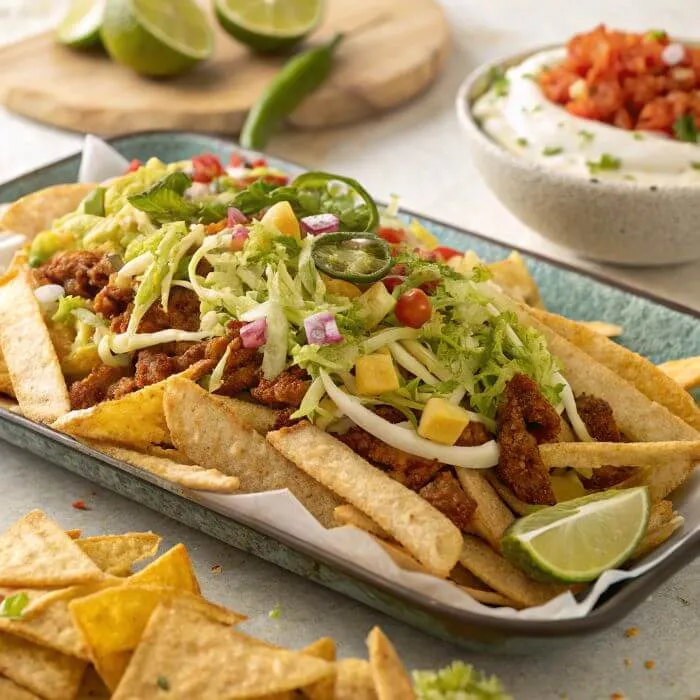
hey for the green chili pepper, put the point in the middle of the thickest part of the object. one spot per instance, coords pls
(317, 180)
(361, 258)
(299, 77)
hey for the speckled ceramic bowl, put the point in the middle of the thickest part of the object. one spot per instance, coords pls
(620, 223)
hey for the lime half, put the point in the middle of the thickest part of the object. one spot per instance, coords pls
(579, 539)
(80, 27)
(156, 37)
(269, 25)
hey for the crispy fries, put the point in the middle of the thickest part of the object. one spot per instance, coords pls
(411, 520)
(685, 372)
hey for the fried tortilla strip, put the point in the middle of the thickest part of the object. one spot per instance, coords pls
(212, 435)
(349, 515)
(502, 576)
(9, 690)
(202, 658)
(260, 418)
(685, 372)
(49, 674)
(31, 360)
(491, 517)
(353, 681)
(649, 379)
(660, 514)
(425, 532)
(190, 476)
(35, 212)
(491, 598)
(655, 538)
(619, 454)
(116, 554)
(390, 678)
(134, 420)
(609, 330)
(513, 277)
(35, 552)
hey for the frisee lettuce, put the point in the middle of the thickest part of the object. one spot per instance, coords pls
(458, 681)
(66, 306)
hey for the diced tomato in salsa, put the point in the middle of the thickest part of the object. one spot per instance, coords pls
(206, 168)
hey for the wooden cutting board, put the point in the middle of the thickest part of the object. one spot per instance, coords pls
(392, 51)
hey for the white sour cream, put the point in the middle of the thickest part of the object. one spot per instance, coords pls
(527, 124)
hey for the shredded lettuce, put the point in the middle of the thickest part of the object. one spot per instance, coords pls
(67, 305)
(458, 681)
(275, 348)
(122, 188)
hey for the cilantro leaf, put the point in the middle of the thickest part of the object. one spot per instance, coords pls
(163, 683)
(499, 83)
(685, 129)
(13, 606)
(261, 195)
(456, 682)
(552, 151)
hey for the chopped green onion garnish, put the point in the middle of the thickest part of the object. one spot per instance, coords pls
(606, 163)
(552, 151)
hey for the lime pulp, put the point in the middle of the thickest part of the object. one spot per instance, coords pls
(80, 28)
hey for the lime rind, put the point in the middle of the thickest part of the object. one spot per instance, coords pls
(550, 544)
(80, 28)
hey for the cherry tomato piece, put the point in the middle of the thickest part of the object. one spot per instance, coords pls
(134, 165)
(236, 160)
(445, 253)
(413, 308)
(206, 167)
(399, 269)
(391, 282)
(391, 235)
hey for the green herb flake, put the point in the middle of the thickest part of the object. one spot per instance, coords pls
(586, 136)
(163, 683)
(530, 76)
(523, 143)
(275, 613)
(655, 35)
(685, 129)
(637, 136)
(457, 681)
(13, 606)
(499, 82)
(695, 165)
(630, 178)
(605, 164)
(552, 151)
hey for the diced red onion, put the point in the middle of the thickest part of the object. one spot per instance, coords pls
(673, 54)
(254, 334)
(321, 329)
(320, 223)
(236, 216)
(239, 236)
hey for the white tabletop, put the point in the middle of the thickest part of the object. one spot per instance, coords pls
(418, 151)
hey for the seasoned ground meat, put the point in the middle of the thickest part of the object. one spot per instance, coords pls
(102, 383)
(598, 416)
(113, 300)
(473, 435)
(284, 420)
(445, 493)
(182, 314)
(524, 419)
(82, 273)
(287, 389)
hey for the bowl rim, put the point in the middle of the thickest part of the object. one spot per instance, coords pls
(465, 115)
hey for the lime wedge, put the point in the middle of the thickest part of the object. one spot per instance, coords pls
(156, 37)
(80, 27)
(269, 25)
(579, 539)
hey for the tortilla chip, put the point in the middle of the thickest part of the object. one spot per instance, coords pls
(685, 372)
(506, 494)
(491, 598)
(9, 690)
(260, 418)
(37, 211)
(49, 674)
(618, 454)
(644, 375)
(659, 514)
(425, 532)
(29, 354)
(134, 420)
(74, 534)
(655, 538)
(92, 687)
(609, 330)
(502, 576)
(209, 431)
(116, 554)
(462, 577)
(36, 552)
(390, 678)
(173, 569)
(188, 475)
(112, 667)
(170, 453)
(349, 515)
(5, 379)
(353, 680)
(399, 555)
(513, 277)
(198, 657)
(491, 517)
(323, 648)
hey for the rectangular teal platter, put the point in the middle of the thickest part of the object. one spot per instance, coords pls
(652, 327)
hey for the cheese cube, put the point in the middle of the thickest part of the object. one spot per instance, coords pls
(281, 217)
(342, 288)
(375, 374)
(442, 421)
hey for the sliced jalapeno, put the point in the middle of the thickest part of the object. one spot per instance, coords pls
(361, 258)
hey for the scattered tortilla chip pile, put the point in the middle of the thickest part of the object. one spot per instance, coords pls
(75, 623)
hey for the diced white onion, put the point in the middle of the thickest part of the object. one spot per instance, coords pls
(49, 294)
(481, 457)
(578, 89)
(259, 311)
(673, 54)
